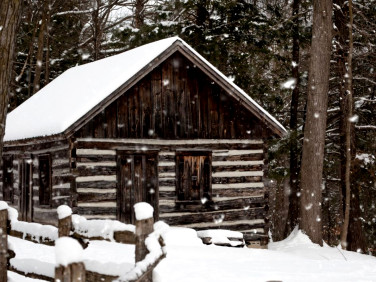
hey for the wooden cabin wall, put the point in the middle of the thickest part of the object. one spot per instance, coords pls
(62, 182)
(175, 101)
(238, 192)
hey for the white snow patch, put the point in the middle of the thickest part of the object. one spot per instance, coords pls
(67, 251)
(366, 158)
(289, 84)
(64, 211)
(35, 230)
(143, 211)
(99, 227)
(3, 205)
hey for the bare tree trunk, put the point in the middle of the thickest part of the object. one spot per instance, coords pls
(352, 229)
(293, 212)
(9, 14)
(41, 36)
(139, 15)
(314, 131)
(349, 101)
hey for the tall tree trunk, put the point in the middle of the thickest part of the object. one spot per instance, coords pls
(139, 14)
(314, 131)
(293, 211)
(9, 15)
(352, 233)
(41, 36)
(349, 131)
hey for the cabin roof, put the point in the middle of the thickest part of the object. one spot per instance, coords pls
(61, 106)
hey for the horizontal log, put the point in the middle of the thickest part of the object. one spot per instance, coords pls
(106, 144)
(94, 276)
(241, 179)
(97, 170)
(254, 192)
(217, 216)
(238, 203)
(96, 197)
(253, 157)
(57, 180)
(31, 274)
(167, 182)
(236, 225)
(87, 210)
(95, 158)
(231, 168)
(28, 237)
(97, 184)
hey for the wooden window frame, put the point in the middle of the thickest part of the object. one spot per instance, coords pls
(207, 189)
(8, 192)
(45, 196)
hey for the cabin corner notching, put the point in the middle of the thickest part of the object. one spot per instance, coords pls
(172, 131)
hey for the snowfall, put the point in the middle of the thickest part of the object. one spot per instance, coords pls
(188, 259)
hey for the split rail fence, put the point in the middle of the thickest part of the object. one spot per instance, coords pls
(145, 259)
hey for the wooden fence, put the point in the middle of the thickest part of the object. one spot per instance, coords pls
(76, 271)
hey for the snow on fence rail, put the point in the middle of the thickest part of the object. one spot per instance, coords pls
(146, 237)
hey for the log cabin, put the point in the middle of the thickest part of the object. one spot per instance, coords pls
(159, 124)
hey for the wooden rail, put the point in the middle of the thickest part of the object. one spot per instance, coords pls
(75, 272)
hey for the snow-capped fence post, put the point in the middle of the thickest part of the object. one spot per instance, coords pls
(3, 241)
(144, 226)
(69, 265)
(65, 220)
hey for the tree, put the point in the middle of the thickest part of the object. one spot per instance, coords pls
(293, 210)
(9, 14)
(315, 127)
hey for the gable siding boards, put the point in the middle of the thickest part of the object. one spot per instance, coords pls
(176, 100)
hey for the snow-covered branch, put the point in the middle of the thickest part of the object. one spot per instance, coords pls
(365, 127)
(364, 78)
(74, 12)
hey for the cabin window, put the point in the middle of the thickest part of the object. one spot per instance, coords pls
(44, 179)
(8, 178)
(193, 176)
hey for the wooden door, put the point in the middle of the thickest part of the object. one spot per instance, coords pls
(137, 182)
(26, 190)
(193, 176)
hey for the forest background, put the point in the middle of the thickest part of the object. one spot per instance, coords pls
(265, 47)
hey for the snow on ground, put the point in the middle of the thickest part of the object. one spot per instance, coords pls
(101, 256)
(294, 259)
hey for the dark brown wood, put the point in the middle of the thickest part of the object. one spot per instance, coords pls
(137, 182)
(175, 100)
(3, 245)
(26, 190)
(232, 215)
(125, 237)
(31, 238)
(143, 229)
(74, 272)
(65, 226)
(31, 275)
(45, 179)
(162, 145)
(94, 276)
(7, 176)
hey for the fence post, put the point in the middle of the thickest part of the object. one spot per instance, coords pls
(144, 226)
(69, 265)
(65, 220)
(3, 242)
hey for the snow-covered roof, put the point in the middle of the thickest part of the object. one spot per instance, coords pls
(69, 97)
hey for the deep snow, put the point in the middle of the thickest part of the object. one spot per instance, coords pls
(293, 259)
